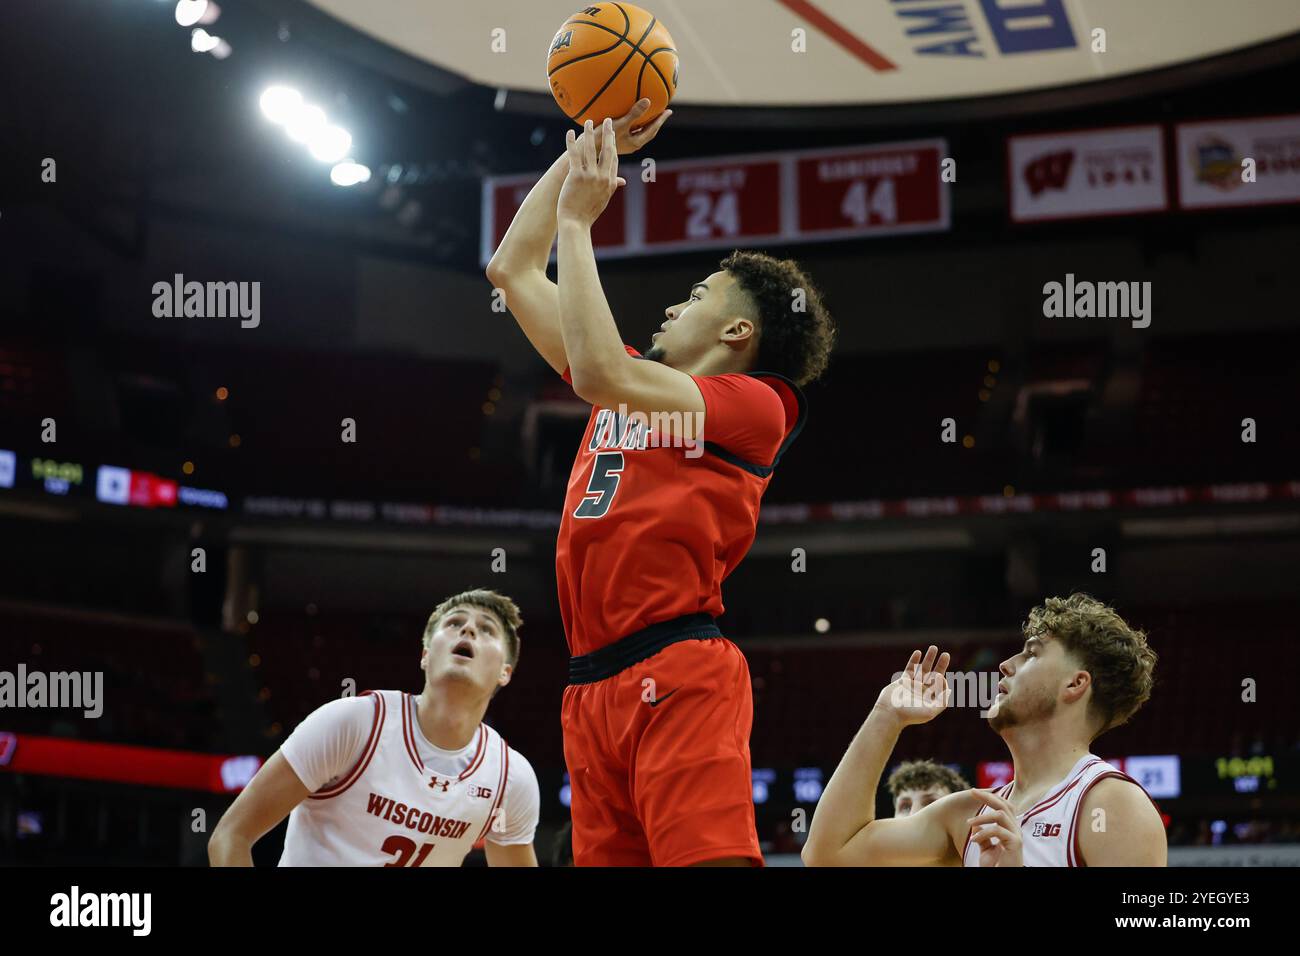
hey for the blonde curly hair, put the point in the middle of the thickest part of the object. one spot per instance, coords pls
(1117, 655)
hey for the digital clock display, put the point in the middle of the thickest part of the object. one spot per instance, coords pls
(1248, 774)
(45, 469)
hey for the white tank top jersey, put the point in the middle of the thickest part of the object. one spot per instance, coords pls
(1049, 830)
(392, 798)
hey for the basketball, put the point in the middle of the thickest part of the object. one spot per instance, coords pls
(606, 57)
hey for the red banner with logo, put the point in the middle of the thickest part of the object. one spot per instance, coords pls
(121, 763)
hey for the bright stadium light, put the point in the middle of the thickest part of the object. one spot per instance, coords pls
(305, 122)
(201, 41)
(280, 103)
(330, 144)
(190, 12)
(349, 173)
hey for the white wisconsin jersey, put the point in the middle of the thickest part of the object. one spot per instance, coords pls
(1049, 830)
(388, 810)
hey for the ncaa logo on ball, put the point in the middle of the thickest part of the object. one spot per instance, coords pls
(562, 40)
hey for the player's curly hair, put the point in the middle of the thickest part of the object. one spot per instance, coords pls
(1117, 656)
(506, 611)
(795, 332)
(924, 774)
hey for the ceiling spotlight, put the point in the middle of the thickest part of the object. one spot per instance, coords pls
(222, 49)
(330, 144)
(349, 173)
(201, 41)
(821, 625)
(305, 122)
(280, 103)
(190, 12)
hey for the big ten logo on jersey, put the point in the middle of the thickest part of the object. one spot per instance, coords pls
(613, 430)
(1042, 829)
(483, 793)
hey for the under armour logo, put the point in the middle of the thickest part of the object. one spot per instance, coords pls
(435, 782)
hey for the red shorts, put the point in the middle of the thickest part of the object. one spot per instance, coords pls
(668, 783)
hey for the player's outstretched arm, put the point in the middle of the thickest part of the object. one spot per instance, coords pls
(518, 267)
(601, 370)
(844, 829)
(1119, 826)
(269, 797)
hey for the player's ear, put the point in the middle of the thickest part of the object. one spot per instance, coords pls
(1078, 686)
(738, 330)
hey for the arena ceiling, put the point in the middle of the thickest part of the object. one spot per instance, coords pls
(741, 53)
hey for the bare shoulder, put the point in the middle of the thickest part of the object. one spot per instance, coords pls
(1118, 825)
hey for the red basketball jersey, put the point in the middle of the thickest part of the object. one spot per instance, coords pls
(650, 533)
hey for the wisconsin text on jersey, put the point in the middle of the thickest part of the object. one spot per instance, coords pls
(413, 818)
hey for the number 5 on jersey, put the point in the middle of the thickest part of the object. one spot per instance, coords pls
(600, 489)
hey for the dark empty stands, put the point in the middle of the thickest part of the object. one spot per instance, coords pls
(155, 690)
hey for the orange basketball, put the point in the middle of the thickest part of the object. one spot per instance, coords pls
(606, 57)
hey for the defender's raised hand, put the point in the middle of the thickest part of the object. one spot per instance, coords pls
(921, 692)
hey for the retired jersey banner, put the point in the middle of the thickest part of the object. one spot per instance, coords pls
(1085, 173)
(769, 198)
(1245, 162)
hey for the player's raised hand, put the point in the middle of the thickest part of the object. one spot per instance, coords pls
(997, 834)
(591, 179)
(629, 139)
(921, 691)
